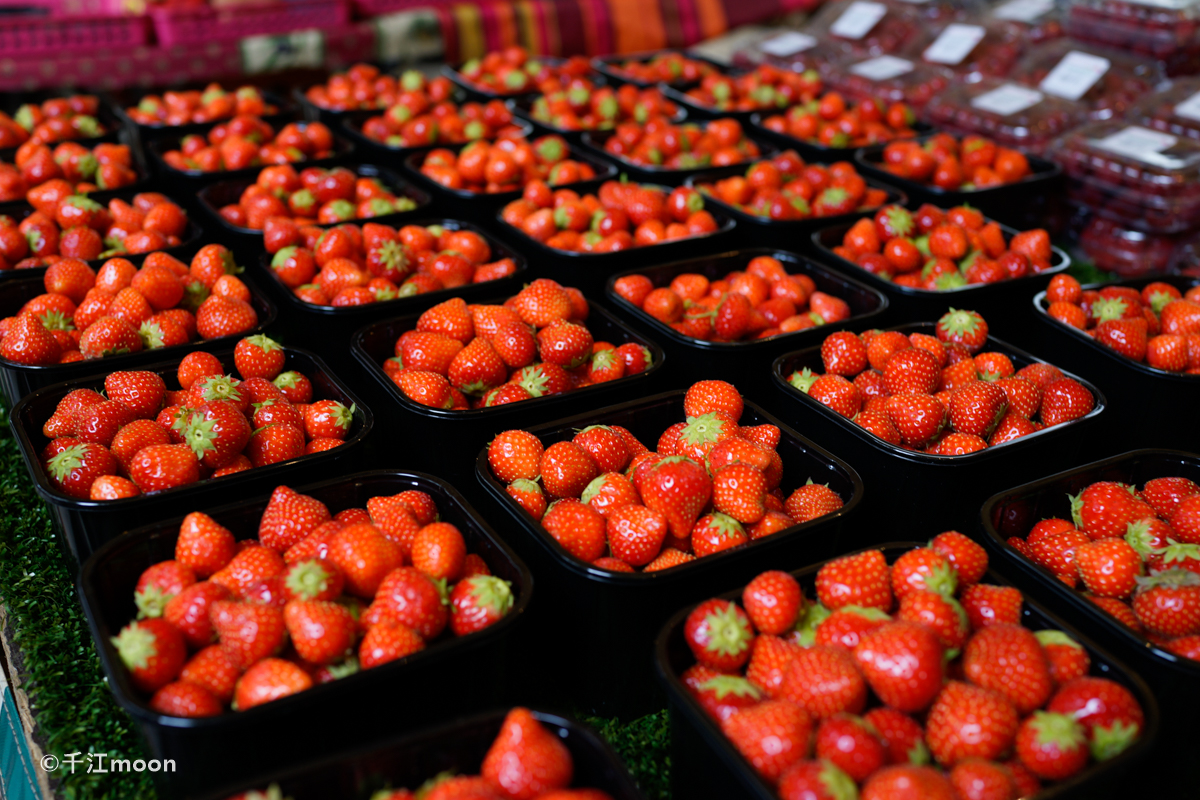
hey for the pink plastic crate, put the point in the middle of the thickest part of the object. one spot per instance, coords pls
(206, 24)
(375, 8)
(31, 36)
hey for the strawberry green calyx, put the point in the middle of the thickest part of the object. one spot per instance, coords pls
(1139, 537)
(1076, 501)
(263, 342)
(151, 335)
(1113, 740)
(728, 634)
(800, 204)
(704, 429)
(288, 380)
(1107, 309)
(837, 784)
(605, 359)
(56, 321)
(803, 379)
(136, 646)
(943, 580)
(87, 166)
(194, 295)
(1178, 552)
(341, 210)
(725, 525)
(918, 754)
(341, 416)
(1058, 730)
(221, 387)
(211, 95)
(199, 435)
(403, 204)
(1048, 637)
(1171, 578)
(1159, 301)
(534, 381)
(412, 80)
(378, 206)
(491, 593)
(151, 602)
(82, 202)
(66, 462)
(343, 669)
(392, 255)
(959, 323)
(872, 614)
(724, 686)
(805, 631)
(531, 486)
(516, 80)
(87, 126)
(385, 293)
(307, 580)
(24, 118)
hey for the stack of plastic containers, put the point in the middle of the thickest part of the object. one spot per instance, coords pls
(1167, 32)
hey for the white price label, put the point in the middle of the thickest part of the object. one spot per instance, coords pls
(1074, 75)
(286, 51)
(954, 44)
(1023, 10)
(882, 68)
(1142, 144)
(788, 44)
(1008, 99)
(858, 19)
(1190, 108)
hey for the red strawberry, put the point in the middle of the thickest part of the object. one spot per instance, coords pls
(908, 782)
(388, 641)
(1066, 657)
(773, 602)
(251, 631)
(902, 661)
(965, 327)
(515, 454)
(1109, 713)
(922, 569)
(1009, 660)
(542, 302)
(312, 579)
(567, 469)
(153, 650)
(101, 422)
(824, 681)
(812, 500)
(565, 344)
(164, 466)
(1168, 604)
(846, 626)
(365, 556)
(141, 392)
(1125, 336)
(722, 696)
(918, 418)
(609, 492)
(1185, 519)
(223, 316)
(526, 760)
(269, 679)
(477, 602)
(605, 446)
(28, 342)
(772, 736)
(477, 368)
(849, 743)
(969, 559)
(911, 371)
(1109, 567)
(439, 550)
(76, 468)
(259, 357)
(713, 397)
(770, 658)
(1053, 746)
(529, 495)
(180, 699)
(158, 584)
(577, 527)
(969, 721)
(716, 532)
(987, 605)
(855, 580)
(1164, 494)
(844, 354)
(978, 779)
(274, 444)
(328, 419)
(1106, 509)
(900, 734)
(978, 407)
(676, 487)
(217, 432)
(816, 780)
(836, 393)
(188, 611)
(941, 614)
(1024, 397)
(1064, 400)
(322, 632)
(295, 386)
(252, 565)
(719, 634)
(635, 533)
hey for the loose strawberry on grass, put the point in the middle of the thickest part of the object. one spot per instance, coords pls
(291, 609)
(793, 715)
(712, 485)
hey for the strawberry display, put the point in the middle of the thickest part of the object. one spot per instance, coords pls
(105, 166)
(584, 107)
(1158, 326)
(147, 436)
(1007, 112)
(708, 486)
(1125, 80)
(246, 141)
(526, 760)
(945, 394)
(348, 265)
(415, 120)
(314, 196)
(998, 45)
(662, 68)
(888, 80)
(1135, 552)
(817, 711)
(786, 188)
(65, 225)
(316, 597)
(621, 215)
(944, 161)
(536, 344)
(939, 250)
(215, 103)
(505, 165)
(1117, 246)
(58, 119)
(764, 88)
(762, 301)
(364, 86)
(830, 121)
(121, 308)
(514, 71)
(662, 144)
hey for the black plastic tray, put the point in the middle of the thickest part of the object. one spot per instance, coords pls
(1128, 383)
(18, 380)
(217, 195)
(351, 127)
(740, 363)
(122, 99)
(705, 764)
(594, 141)
(811, 151)
(1174, 678)
(604, 65)
(949, 487)
(608, 620)
(1023, 203)
(318, 325)
(87, 524)
(792, 234)
(457, 747)
(381, 701)
(989, 299)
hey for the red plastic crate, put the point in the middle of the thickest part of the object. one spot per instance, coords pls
(37, 36)
(204, 24)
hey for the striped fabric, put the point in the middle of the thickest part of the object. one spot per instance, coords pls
(594, 27)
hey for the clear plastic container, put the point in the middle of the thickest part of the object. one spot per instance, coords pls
(941, 11)
(974, 49)
(1174, 110)
(793, 49)
(1146, 178)
(887, 78)
(1108, 82)
(1013, 114)
(1115, 247)
(865, 28)
(1165, 30)
(1038, 20)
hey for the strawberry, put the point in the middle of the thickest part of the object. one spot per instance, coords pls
(312, 579)
(1106, 509)
(217, 433)
(253, 564)
(529, 495)
(1053, 746)
(141, 392)
(526, 760)
(812, 500)
(1164, 494)
(770, 658)
(720, 695)
(713, 397)
(855, 580)
(772, 736)
(911, 371)
(1065, 657)
(1126, 336)
(816, 780)
(978, 779)
(837, 393)
(181, 699)
(918, 418)
(477, 368)
(922, 569)
(365, 556)
(902, 782)
(968, 721)
(565, 344)
(188, 611)
(635, 533)
(900, 734)
(295, 386)
(100, 423)
(577, 527)
(964, 327)
(608, 492)
(388, 641)
(1064, 400)
(773, 601)
(210, 388)
(1109, 567)
(164, 466)
(902, 662)
(566, 469)
(259, 357)
(676, 487)
(269, 679)
(1185, 519)
(439, 550)
(605, 446)
(977, 408)
(1168, 603)
(1056, 553)
(222, 316)
(542, 302)
(322, 632)
(824, 681)
(477, 602)
(716, 532)
(719, 634)
(988, 605)
(847, 742)
(1009, 660)
(158, 584)
(844, 354)
(846, 626)
(739, 491)
(76, 468)
(969, 559)
(152, 650)
(28, 342)
(251, 631)
(941, 614)
(515, 454)
(1109, 713)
